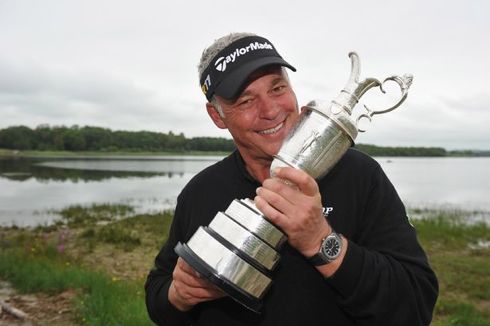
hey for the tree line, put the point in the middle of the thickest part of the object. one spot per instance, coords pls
(87, 138)
(401, 151)
(75, 138)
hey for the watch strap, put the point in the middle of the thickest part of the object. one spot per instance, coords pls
(319, 258)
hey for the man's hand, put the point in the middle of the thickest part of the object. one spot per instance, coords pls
(188, 288)
(296, 209)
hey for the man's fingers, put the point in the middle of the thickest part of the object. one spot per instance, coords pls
(301, 179)
(186, 267)
(275, 199)
(199, 294)
(272, 214)
(278, 186)
(187, 275)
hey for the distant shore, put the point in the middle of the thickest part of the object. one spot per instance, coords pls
(8, 153)
(368, 149)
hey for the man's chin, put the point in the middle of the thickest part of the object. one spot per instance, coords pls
(273, 152)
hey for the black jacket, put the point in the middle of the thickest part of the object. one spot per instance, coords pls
(385, 278)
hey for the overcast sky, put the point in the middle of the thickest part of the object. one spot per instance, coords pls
(131, 65)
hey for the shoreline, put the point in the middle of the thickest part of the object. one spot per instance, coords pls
(7, 153)
(54, 217)
(99, 154)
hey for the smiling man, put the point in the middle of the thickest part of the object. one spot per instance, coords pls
(377, 275)
(259, 118)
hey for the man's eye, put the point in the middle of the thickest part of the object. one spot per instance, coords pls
(279, 88)
(245, 102)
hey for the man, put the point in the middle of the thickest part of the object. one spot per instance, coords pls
(379, 277)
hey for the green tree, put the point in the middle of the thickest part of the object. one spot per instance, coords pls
(96, 138)
(73, 140)
(18, 137)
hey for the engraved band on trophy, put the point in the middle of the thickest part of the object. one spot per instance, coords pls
(239, 249)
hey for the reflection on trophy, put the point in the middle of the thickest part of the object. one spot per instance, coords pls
(239, 249)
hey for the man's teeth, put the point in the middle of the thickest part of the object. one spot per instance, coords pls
(272, 130)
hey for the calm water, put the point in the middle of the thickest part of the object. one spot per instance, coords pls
(31, 190)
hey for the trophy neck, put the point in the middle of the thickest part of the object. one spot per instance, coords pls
(354, 89)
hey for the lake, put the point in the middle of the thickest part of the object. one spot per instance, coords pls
(32, 190)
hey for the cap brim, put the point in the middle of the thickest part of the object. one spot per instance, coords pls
(231, 86)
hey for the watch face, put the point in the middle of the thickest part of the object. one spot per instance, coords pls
(331, 247)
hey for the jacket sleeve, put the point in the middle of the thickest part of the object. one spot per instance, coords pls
(160, 310)
(385, 278)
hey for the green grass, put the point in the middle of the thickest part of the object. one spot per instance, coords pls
(80, 216)
(7, 152)
(459, 313)
(462, 268)
(102, 301)
(114, 234)
(29, 258)
(129, 233)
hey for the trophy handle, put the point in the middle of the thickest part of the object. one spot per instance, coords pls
(404, 82)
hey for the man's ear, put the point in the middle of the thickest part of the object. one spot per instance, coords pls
(214, 114)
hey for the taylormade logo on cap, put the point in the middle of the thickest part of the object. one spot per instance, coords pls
(229, 69)
(222, 62)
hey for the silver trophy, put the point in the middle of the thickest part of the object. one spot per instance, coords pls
(239, 249)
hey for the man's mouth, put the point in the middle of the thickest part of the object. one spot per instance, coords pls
(271, 130)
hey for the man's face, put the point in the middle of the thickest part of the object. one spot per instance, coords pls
(262, 116)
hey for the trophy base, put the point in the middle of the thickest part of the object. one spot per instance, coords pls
(210, 274)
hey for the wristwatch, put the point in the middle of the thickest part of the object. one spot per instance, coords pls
(329, 250)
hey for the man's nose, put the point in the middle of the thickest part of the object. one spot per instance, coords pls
(269, 108)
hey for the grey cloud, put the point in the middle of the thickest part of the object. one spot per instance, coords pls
(38, 95)
(452, 124)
